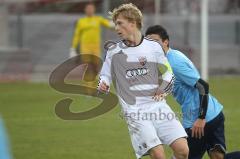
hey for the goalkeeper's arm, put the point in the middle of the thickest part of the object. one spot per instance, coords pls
(75, 40)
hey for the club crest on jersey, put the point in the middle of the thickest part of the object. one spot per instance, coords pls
(142, 60)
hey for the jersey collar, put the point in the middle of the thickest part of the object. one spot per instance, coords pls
(168, 51)
(131, 45)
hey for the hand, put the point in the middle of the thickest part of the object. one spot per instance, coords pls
(72, 53)
(198, 128)
(159, 97)
(103, 87)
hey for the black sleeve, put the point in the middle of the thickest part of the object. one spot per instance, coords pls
(203, 89)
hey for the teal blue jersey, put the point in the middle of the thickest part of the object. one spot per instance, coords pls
(185, 92)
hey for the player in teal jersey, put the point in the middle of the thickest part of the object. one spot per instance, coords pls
(203, 119)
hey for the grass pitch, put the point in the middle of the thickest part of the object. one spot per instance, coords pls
(36, 132)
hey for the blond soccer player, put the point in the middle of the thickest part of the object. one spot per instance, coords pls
(132, 64)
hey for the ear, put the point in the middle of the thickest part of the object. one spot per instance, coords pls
(165, 42)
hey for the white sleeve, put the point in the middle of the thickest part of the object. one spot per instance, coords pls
(167, 73)
(105, 74)
(166, 70)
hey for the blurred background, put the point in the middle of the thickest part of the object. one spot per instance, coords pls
(35, 37)
(36, 34)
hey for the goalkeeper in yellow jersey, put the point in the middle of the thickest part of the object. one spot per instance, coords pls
(87, 35)
(87, 40)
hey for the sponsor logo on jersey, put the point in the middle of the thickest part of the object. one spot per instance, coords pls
(137, 72)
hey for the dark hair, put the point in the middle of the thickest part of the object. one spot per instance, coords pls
(159, 30)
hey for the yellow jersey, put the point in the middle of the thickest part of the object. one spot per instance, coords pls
(88, 34)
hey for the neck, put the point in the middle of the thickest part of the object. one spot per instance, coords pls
(166, 50)
(135, 38)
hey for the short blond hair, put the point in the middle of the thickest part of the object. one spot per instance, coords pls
(130, 12)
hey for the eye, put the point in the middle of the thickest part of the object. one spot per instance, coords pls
(118, 22)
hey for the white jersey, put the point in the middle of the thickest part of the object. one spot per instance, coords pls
(136, 71)
(135, 74)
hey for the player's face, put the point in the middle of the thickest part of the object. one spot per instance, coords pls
(90, 10)
(124, 28)
(155, 37)
(158, 38)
